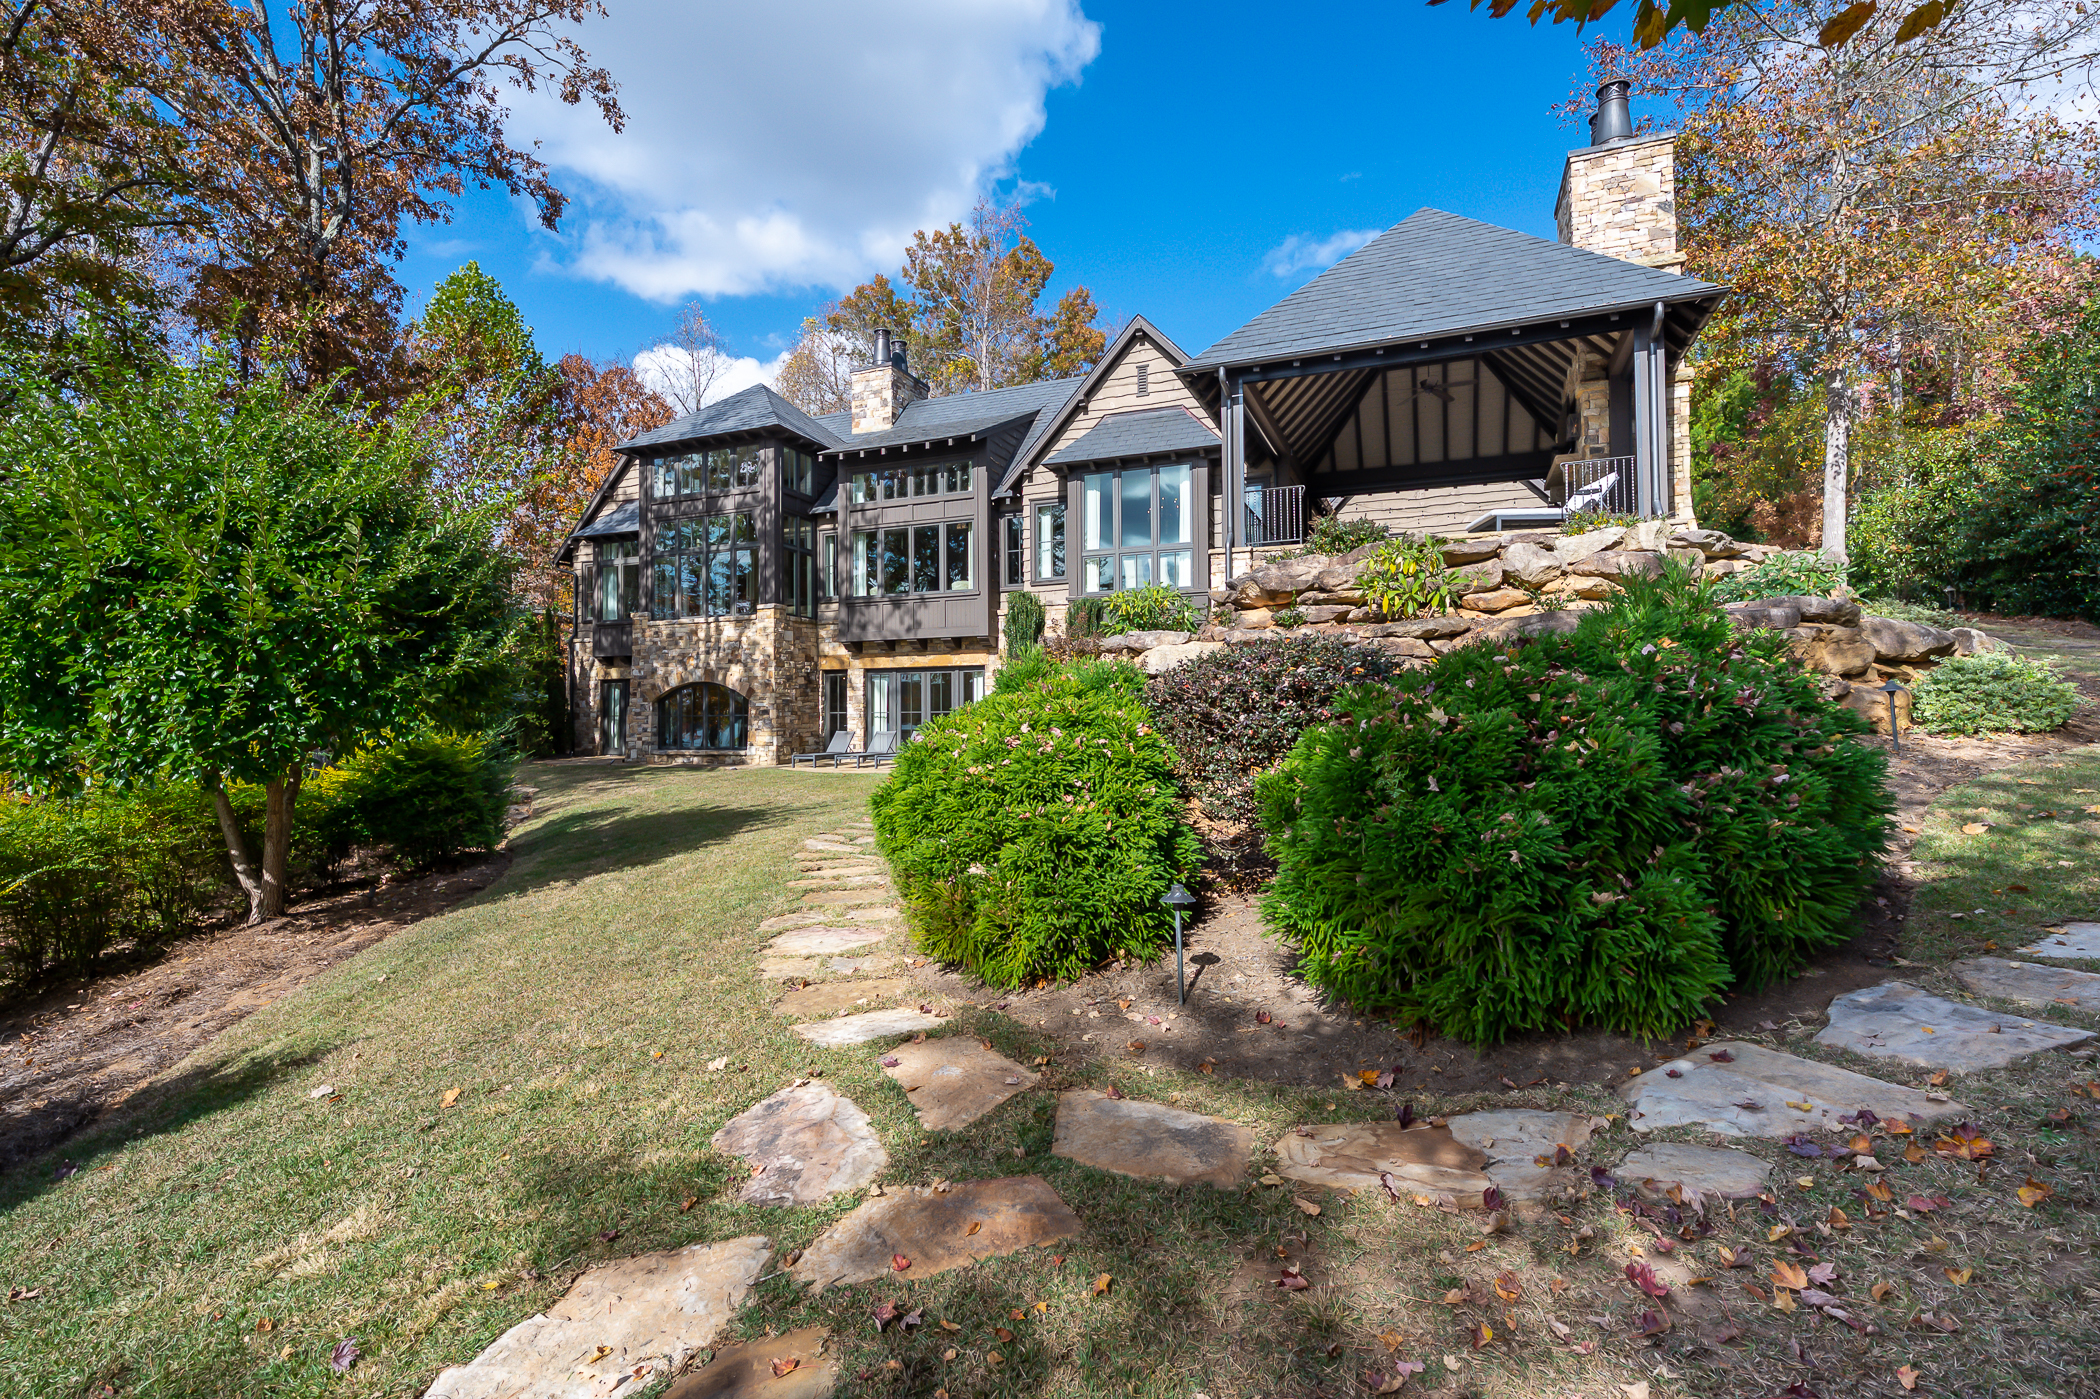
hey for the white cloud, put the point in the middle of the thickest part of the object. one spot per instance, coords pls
(797, 142)
(1301, 252)
(733, 373)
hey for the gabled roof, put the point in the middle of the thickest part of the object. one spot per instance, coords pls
(624, 518)
(1138, 434)
(1435, 274)
(748, 410)
(1050, 424)
(960, 414)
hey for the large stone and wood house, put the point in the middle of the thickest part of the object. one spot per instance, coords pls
(751, 579)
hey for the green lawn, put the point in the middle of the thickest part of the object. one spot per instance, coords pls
(575, 1004)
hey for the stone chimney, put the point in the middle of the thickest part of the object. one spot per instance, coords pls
(1618, 196)
(882, 390)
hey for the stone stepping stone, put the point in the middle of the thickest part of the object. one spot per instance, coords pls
(831, 997)
(808, 917)
(651, 1312)
(843, 867)
(1759, 1092)
(1896, 1020)
(779, 968)
(746, 1371)
(843, 1030)
(2029, 983)
(832, 847)
(840, 897)
(1695, 1170)
(1513, 1139)
(883, 914)
(1423, 1160)
(931, 1228)
(956, 1080)
(840, 881)
(1135, 1138)
(804, 1144)
(2077, 942)
(855, 966)
(818, 940)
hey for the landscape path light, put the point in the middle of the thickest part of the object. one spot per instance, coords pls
(1178, 898)
(1892, 689)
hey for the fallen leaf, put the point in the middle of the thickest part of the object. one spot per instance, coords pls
(1005, 1336)
(1926, 1204)
(948, 1326)
(884, 1313)
(1938, 1080)
(1482, 1334)
(1907, 1377)
(451, 1097)
(948, 1354)
(1637, 1390)
(687, 1204)
(1881, 1290)
(1262, 1017)
(1304, 1204)
(1651, 1323)
(715, 1066)
(1974, 828)
(899, 1262)
(890, 1061)
(1959, 1276)
(1291, 1280)
(784, 1365)
(1507, 1287)
(1789, 1275)
(343, 1356)
(2034, 1192)
(975, 1225)
(606, 1236)
(1101, 1284)
(1643, 1277)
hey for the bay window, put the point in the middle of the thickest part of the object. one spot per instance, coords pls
(1138, 528)
(903, 559)
(705, 566)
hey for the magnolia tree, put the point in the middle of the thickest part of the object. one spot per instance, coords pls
(209, 577)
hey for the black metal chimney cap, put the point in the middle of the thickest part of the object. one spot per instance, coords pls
(1614, 120)
(882, 344)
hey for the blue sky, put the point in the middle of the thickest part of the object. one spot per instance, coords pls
(1189, 164)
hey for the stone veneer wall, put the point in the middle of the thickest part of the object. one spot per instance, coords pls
(770, 658)
(1621, 200)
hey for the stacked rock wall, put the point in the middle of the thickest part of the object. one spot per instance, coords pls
(1536, 582)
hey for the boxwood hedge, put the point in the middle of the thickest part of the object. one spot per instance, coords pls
(1605, 827)
(1032, 834)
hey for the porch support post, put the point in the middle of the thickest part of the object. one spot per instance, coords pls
(1232, 421)
(1651, 406)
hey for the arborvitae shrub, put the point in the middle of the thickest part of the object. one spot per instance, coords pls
(1033, 833)
(1993, 692)
(427, 799)
(1605, 828)
(1024, 622)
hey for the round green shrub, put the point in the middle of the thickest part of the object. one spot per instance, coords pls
(1331, 535)
(1153, 607)
(1992, 692)
(1406, 577)
(1605, 827)
(1802, 574)
(1033, 833)
(427, 799)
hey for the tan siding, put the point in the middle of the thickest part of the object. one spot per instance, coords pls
(1117, 393)
(627, 485)
(1442, 509)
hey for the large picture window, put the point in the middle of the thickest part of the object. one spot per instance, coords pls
(899, 701)
(704, 715)
(905, 559)
(800, 539)
(619, 580)
(1050, 540)
(705, 566)
(911, 482)
(716, 469)
(1138, 529)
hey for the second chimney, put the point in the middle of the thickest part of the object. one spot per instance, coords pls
(1618, 196)
(883, 389)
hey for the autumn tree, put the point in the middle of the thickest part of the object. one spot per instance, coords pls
(318, 131)
(975, 286)
(817, 375)
(1876, 202)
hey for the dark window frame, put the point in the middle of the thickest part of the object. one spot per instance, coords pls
(890, 485)
(875, 563)
(1193, 507)
(1013, 550)
(798, 553)
(710, 471)
(698, 700)
(959, 683)
(618, 561)
(671, 575)
(1061, 554)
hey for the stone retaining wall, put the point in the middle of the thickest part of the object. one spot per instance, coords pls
(1508, 576)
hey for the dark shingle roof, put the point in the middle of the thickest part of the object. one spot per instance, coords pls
(751, 409)
(1435, 274)
(625, 518)
(960, 414)
(1139, 434)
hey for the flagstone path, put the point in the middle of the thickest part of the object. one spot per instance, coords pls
(1695, 1170)
(956, 1080)
(929, 1230)
(1896, 1020)
(1746, 1090)
(1135, 1138)
(2029, 984)
(621, 1323)
(1423, 1161)
(750, 1370)
(2077, 942)
(804, 1144)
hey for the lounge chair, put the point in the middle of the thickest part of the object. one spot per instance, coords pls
(881, 748)
(841, 746)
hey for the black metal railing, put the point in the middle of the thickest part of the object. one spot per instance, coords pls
(1272, 515)
(1598, 486)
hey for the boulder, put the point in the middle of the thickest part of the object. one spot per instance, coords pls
(1472, 550)
(1241, 636)
(1970, 642)
(1482, 577)
(1291, 576)
(1314, 616)
(1752, 615)
(1649, 536)
(1131, 641)
(1589, 589)
(1905, 643)
(1421, 627)
(1402, 646)
(1833, 650)
(1871, 703)
(1251, 592)
(1828, 611)
(1336, 578)
(1531, 564)
(1709, 542)
(1500, 600)
(1537, 624)
(1721, 568)
(1620, 564)
(1346, 598)
(1571, 548)
(1255, 618)
(1692, 559)
(1164, 658)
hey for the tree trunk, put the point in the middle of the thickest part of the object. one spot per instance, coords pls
(237, 850)
(1837, 459)
(280, 797)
